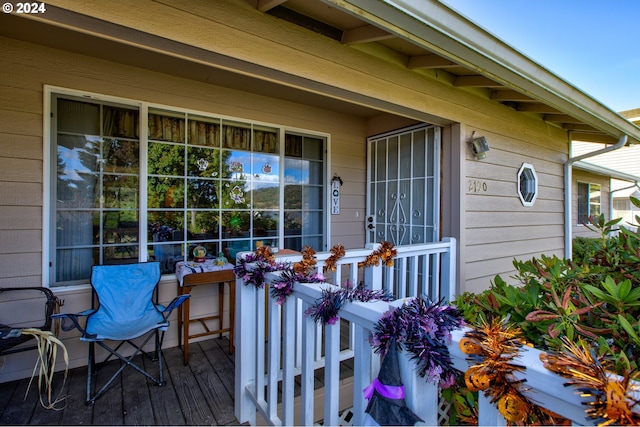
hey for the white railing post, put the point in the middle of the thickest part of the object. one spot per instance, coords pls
(273, 358)
(421, 396)
(448, 271)
(256, 387)
(488, 414)
(332, 374)
(373, 274)
(307, 379)
(373, 277)
(245, 352)
(361, 373)
(288, 362)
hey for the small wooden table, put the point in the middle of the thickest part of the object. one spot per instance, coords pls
(190, 274)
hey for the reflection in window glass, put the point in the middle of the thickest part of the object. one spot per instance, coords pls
(589, 204)
(236, 136)
(265, 140)
(121, 191)
(211, 182)
(203, 224)
(97, 187)
(265, 195)
(202, 193)
(304, 192)
(265, 223)
(236, 224)
(166, 159)
(203, 162)
(204, 131)
(293, 223)
(164, 192)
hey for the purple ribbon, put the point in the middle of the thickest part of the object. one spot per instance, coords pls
(389, 391)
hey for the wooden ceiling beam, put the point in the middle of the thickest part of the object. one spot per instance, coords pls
(510, 95)
(475, 81)
(430, 61)
(537, 107)
(561, 118)
(265, 5)
(581, 127)
(364, 34)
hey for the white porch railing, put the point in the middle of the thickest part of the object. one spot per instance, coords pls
(270, 355)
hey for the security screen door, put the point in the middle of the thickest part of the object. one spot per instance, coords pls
(403, 182)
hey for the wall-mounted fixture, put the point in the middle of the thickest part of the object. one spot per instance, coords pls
(480, 146)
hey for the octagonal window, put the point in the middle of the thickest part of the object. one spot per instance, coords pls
(527, 184)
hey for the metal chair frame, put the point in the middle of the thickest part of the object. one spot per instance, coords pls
(158, 332)
(10, 345)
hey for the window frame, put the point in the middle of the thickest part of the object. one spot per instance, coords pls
(50, 177)
(527, 169)
(590, 190)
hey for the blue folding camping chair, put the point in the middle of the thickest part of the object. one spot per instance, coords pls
(127, 309)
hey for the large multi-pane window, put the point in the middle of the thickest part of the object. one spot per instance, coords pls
(304, 201)
(589, 204)
(136, 183)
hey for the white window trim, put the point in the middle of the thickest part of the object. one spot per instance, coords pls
(50, 90)
(530, 167)
(590, 184)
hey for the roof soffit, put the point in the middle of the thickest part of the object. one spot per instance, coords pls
(436, 41)
(441, 31)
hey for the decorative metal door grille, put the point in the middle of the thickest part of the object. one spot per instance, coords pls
(403, 199)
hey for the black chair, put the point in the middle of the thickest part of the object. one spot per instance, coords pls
(18, 305)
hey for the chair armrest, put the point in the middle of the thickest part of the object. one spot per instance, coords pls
(177, 302)
(74, 319)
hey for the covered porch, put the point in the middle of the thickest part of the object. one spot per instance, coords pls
(293, 346)
(285, 361)
(200, 393)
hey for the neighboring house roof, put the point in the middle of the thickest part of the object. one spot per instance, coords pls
(601, 170)
(632, 115)
(625, 193)
(625, 160)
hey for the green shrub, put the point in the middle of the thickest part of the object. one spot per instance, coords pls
(595, 296)
(584, 248)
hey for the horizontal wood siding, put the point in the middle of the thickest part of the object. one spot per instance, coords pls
(499, 228)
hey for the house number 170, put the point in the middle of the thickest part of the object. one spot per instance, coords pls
(476, 186)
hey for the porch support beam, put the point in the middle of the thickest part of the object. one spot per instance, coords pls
(510, 95)
(365, 34)
(265, 5)
(430, 61)
(476, 81)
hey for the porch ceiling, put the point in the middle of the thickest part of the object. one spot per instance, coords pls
(455, 51)
(58, 37)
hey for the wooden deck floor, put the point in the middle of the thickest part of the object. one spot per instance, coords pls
(198, 394)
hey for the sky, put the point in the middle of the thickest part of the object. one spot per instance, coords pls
(592, 44)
